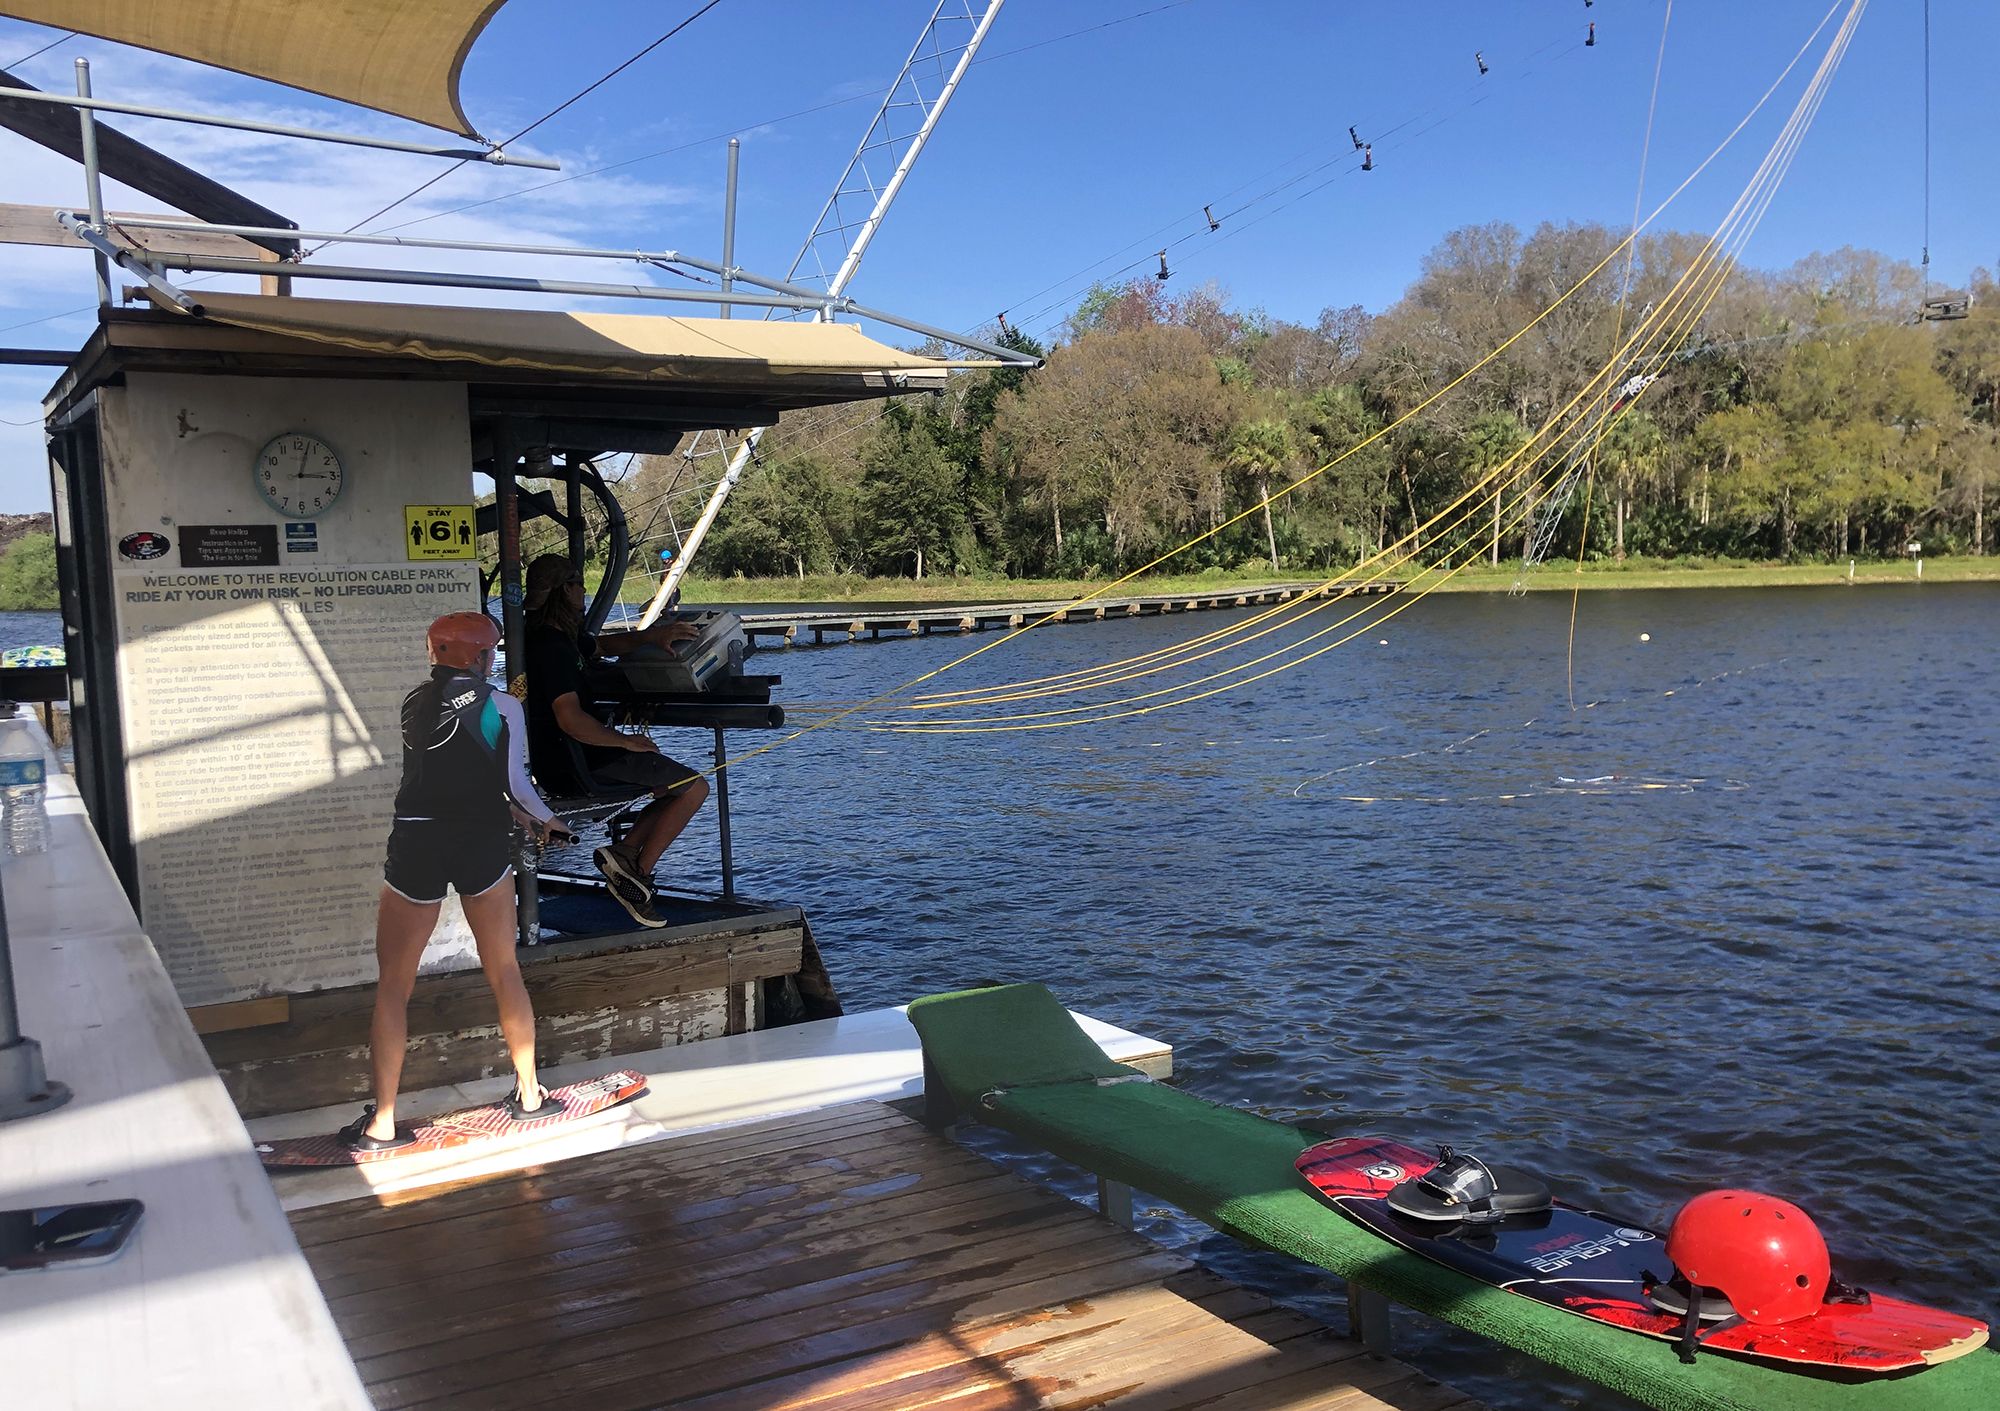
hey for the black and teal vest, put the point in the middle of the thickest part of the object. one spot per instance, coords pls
(454, 751)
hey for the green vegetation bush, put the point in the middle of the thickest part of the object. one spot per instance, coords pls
(1807, 417)
(28, 575)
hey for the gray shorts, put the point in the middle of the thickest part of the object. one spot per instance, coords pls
(663, 775)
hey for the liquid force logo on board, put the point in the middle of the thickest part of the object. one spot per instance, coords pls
(1588, 1249)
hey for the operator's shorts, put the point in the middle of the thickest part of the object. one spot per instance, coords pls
(427, 854)
(664, 775)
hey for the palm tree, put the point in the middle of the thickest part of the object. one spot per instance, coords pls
(1258, 448)
(1632, 441)
(1490, 442)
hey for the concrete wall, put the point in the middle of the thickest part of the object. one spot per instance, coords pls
(259, 704)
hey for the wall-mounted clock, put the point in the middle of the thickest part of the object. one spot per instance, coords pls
(298, 475)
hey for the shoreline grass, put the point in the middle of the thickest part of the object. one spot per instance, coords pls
(1555, 576)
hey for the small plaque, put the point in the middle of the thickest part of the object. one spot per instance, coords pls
(440, 531)
(229, 545)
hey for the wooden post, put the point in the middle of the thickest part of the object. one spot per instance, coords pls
(1114, 1201)
(276, 284)
(1368, 1318)
(940, 1112)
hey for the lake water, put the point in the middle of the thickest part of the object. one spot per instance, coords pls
(30, 629)
(1758, 951)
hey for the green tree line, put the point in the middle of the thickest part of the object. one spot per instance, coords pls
(1809, 415)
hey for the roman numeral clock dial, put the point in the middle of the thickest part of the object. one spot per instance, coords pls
(299, 476)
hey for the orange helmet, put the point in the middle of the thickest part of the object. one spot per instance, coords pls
(462, 639)
(1763, 1254)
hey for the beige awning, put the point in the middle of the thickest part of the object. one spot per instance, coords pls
(637, 346)
(397, 56)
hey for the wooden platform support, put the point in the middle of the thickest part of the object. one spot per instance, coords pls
(1114, 1202)
(767, 629)
(844, 1259)
(595, 998)
(1368, 1318)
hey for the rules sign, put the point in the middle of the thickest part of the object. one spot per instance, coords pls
(440, 532)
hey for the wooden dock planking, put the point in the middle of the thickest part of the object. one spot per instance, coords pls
(787, 627)
(840, 1260)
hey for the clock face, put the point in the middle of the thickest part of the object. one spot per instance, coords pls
(298, 475)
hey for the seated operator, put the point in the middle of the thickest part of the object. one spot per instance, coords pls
(557, 647)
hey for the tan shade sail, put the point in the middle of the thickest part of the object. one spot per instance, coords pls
(398, 56)
(638, 346)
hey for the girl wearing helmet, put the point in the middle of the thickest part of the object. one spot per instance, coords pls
(465, 782)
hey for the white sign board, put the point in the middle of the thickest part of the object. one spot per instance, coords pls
(263, 660)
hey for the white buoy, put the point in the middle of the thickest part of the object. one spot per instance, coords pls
(1645, 636)
(1385, 641)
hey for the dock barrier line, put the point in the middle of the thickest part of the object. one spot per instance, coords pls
(851, 624)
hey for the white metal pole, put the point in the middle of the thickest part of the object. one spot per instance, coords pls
(670, 584)
(874, 221)
(92, 186)
(729, 220)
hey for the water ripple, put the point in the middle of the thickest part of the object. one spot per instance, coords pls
(1731, 924)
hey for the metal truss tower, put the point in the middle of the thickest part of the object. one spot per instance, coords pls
(854, 212)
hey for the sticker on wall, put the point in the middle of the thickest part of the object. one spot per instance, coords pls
(302, 538)
(440, 531)
(229, 545)
(146, 544)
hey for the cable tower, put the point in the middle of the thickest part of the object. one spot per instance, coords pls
(853, 213)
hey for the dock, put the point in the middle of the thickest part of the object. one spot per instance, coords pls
(840, 1259)
(789, 628)
(769, 1227)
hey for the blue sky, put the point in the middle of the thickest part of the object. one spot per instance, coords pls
(1064, 149)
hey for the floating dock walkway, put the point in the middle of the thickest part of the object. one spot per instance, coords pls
(846, 1259)
(851, 624)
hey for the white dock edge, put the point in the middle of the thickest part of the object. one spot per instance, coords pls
(715, 1083)
(211, 1307)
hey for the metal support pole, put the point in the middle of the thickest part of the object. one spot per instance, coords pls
(830, 221)
(92, 186)
(722, 817)
(729, 221)
(25, 1089)
(617, 551)
(579, 548)
(513, 637)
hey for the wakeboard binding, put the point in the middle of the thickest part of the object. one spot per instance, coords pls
(1738, 1274)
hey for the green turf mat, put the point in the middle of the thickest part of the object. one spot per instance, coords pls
(1012, 1057)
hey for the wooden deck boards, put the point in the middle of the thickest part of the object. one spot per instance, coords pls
(841, 1260)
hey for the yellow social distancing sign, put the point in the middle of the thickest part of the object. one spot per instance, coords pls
(440, 531)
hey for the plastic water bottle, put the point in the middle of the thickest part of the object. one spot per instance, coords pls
(23, 787)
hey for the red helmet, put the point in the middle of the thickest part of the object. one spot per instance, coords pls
(462, 639)
(1765, 1255)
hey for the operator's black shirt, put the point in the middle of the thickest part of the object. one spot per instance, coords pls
(555, 669)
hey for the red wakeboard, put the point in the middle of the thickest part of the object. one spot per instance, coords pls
(465, 1127)
(1604, 1269)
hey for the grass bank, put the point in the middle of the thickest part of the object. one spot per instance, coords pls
(1555, 576)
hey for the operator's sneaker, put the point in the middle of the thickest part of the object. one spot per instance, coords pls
(638, 900)
(618, 865)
